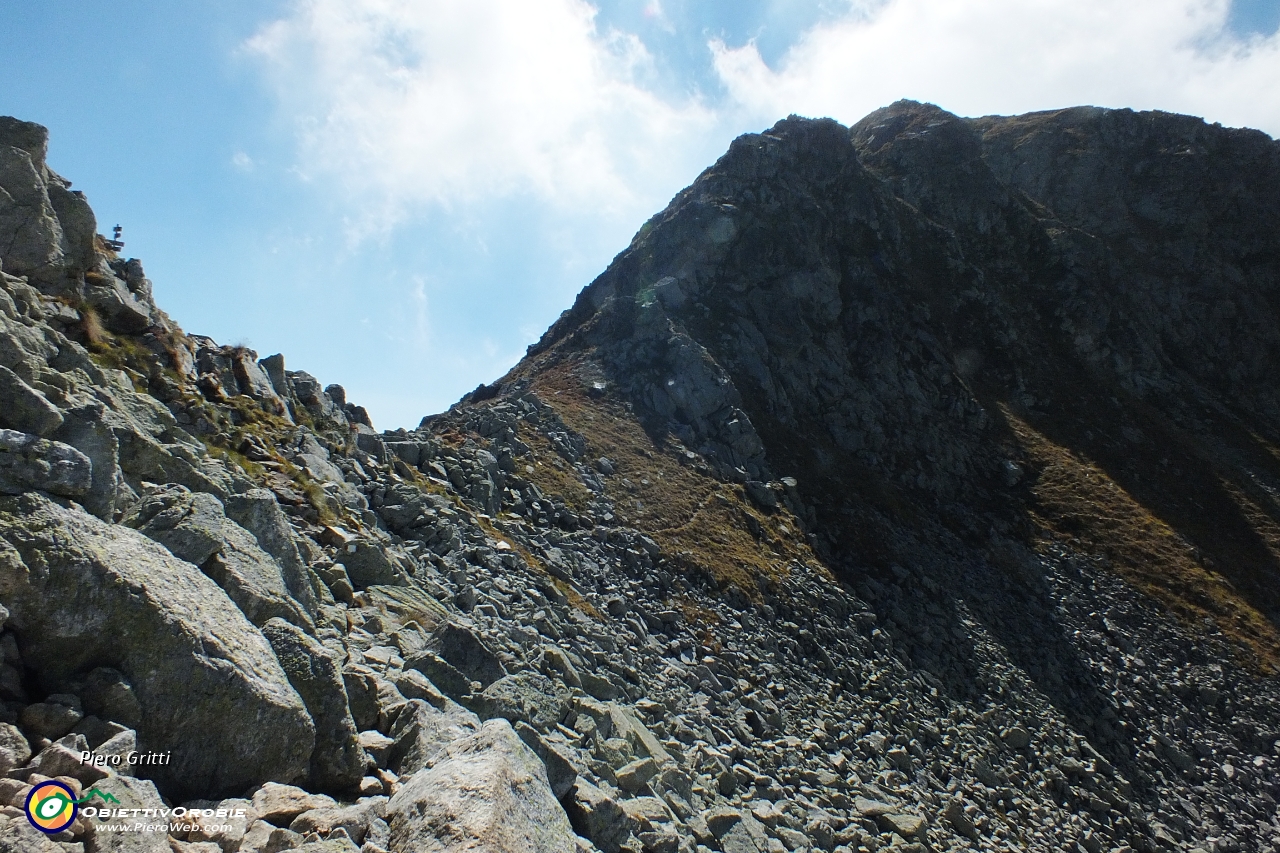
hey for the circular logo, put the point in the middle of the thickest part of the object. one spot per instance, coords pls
(51, 807)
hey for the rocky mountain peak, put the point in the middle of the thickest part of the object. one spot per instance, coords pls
(913, 312)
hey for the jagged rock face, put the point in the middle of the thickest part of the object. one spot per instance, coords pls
(46, 229)
(913, 316)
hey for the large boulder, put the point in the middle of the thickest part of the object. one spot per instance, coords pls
(368, 564)
(258, 511)
(460, 644)
(599, 817)
(28, 463)
(529, 696)
(194, 527)
(423, 727)
(337, 764)
(25, 408)
(253, 579)
(484, 792)
(84, 594)
(17, 835)
(132, 794)
(120, 310)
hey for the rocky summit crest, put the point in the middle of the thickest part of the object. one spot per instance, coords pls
(910, 485)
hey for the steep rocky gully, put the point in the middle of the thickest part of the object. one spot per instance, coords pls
(910, 486)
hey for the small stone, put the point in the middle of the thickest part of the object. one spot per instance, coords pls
(899, 758)
(262, 837)
(280, 804)
(906, 825)
(1016, 737)
(636, 775)
(871, 808)
(49, 719)
(62, 758)
(721, 820)
(377, 745)
(727, 782)
(955, 815)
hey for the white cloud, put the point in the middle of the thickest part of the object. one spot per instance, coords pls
(1010, 56)
(421, 321)
(242, 161)
(401, 105)
(654, 12)
(412, 102)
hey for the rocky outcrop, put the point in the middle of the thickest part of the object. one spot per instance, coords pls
(194, 527)
(47, 228)
(82, 593)
(489, 792)
(28, 463)
(338, 761)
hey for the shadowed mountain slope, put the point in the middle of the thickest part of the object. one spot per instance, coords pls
(1059, 326)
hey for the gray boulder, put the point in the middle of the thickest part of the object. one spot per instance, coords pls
(107, 694)
(14, 749)
(280, 804)
(262, 837)
(368, 565)
(17, 835)
(461, 646)
(486, 792)
(337, 764)
(189, 525)
(254, 580)
(258, 511)
(442, 674)
(561, 773)
(83, 593)
(29, 463)
(254, 381)
(194, 527)
(362, 693)
(52, 718)
(120, 310)
(421, 729)
(354, 820)
(62, 758)
(83, 430)
(133, 794)
(529, 696)
(26, 409)
(597, 816)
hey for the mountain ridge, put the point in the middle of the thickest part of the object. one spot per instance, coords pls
(905, 486)
(1068, 308)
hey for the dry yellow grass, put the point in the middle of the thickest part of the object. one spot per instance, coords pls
(1076, 499)
(701, 522)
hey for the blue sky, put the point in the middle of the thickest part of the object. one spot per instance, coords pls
(400, 195)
